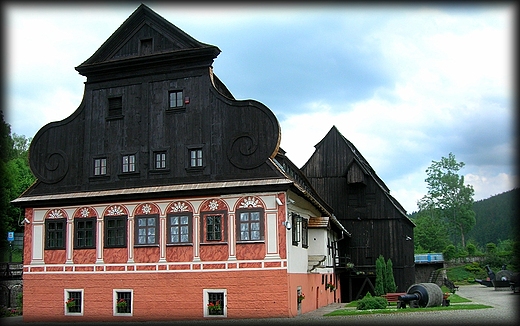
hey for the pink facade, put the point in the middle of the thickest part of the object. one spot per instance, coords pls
(168, 282)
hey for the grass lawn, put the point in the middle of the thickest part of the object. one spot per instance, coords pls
(456, 303)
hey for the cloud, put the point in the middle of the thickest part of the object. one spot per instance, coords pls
(406, 84)
(488, 184)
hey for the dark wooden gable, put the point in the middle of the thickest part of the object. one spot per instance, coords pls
(337, 170)
(126, 111)
(145, 34)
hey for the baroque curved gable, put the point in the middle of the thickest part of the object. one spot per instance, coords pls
(127, 114)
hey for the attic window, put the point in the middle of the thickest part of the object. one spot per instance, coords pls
(145, 47)
(115, 107)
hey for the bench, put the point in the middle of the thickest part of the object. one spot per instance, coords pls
(393, 297)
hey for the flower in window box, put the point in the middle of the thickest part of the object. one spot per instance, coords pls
(70, 303)
(301, 297)
(121, 303)
(214, 308)
(331, 287)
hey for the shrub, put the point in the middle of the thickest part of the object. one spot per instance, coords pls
(389, 280)
(473, 267)
(370, 302)
(380, 274)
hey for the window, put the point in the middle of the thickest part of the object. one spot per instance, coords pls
(74, 302)
(176, 99)
(115, 107)
(305, 233)
(215, 302)
(296, 224)
(214, 227)
(250, 225)
(146, 47)
(128, 163)
(196, 157)
(85, 233)
(179, 229)
(100, 166)
(115, 231)
(146, 230)
(123, 302)
(159, 160)
(55, 233)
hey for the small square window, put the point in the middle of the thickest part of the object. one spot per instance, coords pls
(100, 166)
(129, 163)
(160, 160)
(123, 302)
(196, 157)
(176, 99)
(215, 302)
(74, 302)
(55, 233)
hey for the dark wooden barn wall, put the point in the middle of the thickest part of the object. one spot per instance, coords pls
(377, 227)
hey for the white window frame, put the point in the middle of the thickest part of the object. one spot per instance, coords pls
(100, 166)
(159, 160)
(205, 302)
(146, 227)
(129, 163)
(66, 297)
(114, 302)
(196, 158)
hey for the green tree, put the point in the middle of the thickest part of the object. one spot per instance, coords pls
(389, 279)
(379, 288)
(15, 177)
(449, 252)
(472, 249)
(430, 233)
(491, 248)
(448, 196)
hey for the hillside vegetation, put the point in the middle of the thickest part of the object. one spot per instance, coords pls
(495, 218)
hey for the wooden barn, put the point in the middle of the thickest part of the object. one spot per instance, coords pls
(363, 204)
(162, 197)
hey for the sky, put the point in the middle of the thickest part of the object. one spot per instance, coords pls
(406, 84)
